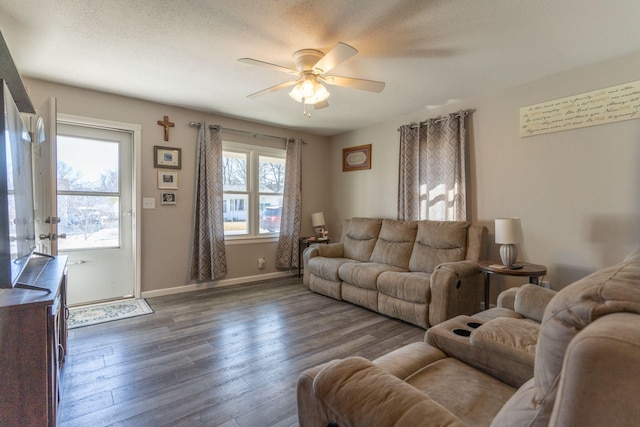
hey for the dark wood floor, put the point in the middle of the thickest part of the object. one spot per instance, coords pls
(218, 357)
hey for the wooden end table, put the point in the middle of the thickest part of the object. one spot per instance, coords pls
(533, 271)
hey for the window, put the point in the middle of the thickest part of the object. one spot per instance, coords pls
(253, 182)
(88, 186)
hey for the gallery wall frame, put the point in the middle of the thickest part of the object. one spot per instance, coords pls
(168, 198)
(167, 157)
(168, 180)
(356, 158)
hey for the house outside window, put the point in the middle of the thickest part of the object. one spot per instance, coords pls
(253, 184)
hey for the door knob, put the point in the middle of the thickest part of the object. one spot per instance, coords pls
(52, 236)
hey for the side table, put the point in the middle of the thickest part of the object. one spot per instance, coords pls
(305, 242)
(533, 271)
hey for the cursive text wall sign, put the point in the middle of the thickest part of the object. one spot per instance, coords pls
(602, 106)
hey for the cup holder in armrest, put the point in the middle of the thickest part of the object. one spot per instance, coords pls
(474, 325)
(462, 332)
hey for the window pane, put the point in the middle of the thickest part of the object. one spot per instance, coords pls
(90, 164)
(89, 222)
(270, 214)
(235, 213)
(234, 171)
(271, 174)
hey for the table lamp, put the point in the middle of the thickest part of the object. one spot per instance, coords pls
(317, 220)
(508, 233)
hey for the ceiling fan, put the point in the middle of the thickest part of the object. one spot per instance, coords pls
(311, 71)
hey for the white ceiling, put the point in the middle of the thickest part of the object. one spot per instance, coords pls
(429, 52)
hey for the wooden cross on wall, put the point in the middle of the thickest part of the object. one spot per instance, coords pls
(167, 124)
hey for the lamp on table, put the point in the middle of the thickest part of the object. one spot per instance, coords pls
(508, 234)
(317, 220)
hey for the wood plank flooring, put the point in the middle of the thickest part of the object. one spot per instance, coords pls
(219, 357)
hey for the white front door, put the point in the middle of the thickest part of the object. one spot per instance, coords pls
(95, 207)
(44, 168)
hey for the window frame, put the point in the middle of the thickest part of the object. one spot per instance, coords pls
(253, 153)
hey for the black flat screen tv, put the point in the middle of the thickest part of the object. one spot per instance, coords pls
(17, 227)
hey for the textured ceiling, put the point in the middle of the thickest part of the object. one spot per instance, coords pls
(429, 53)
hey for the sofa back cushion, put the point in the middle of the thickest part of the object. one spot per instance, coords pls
(438, 242)
(395, 243)
(359, 237)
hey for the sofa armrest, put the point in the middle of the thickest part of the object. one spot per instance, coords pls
(328, 250)
(456, 288)
(359, 393)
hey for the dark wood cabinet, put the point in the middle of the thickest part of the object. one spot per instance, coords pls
(33, 340)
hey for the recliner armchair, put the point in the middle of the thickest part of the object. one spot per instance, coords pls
(586, 372)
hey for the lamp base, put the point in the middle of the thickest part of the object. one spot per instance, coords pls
(509, 255)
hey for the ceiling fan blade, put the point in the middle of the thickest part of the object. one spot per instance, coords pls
(252, 61)
(341, 52)
(350, 82)
(273, 88)
(320, 105)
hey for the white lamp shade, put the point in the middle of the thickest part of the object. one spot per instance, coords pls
(508, 231)
(317, 219)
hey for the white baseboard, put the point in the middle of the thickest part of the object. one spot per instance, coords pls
(216, 284)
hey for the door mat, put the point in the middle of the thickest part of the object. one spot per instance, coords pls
(107, 312)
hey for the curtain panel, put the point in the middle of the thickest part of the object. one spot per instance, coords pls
(432, 172)
(208, 258)
(287, 253)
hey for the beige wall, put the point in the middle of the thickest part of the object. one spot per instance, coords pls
(577, 191)
(166, 230)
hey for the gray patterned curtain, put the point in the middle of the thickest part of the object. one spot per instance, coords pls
(287, 254)
(432, 180)
(209, 258)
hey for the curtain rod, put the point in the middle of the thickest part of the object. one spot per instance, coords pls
(462, 113)
(243, 132)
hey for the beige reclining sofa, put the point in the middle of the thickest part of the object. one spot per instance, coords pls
(586, 366)
(422, 272)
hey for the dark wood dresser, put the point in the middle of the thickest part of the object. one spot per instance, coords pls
(33, 340)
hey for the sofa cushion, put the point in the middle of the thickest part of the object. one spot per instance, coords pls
(407, 286)
(508, 338)
(327, 268)
(363, 274)
(438, 242)
(472, 395)
(395, 243)
(361, 237)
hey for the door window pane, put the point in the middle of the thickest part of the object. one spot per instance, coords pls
(88, 222)
(87, 165)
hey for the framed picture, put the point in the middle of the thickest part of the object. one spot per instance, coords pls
(167, 157)
(168, 180)
(168, 198)
(356, 158)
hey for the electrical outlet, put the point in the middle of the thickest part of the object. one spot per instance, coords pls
(261, 263)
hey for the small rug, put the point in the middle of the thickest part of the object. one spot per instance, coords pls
(106, 312)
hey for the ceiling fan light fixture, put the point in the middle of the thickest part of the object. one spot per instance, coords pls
(309, 91)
